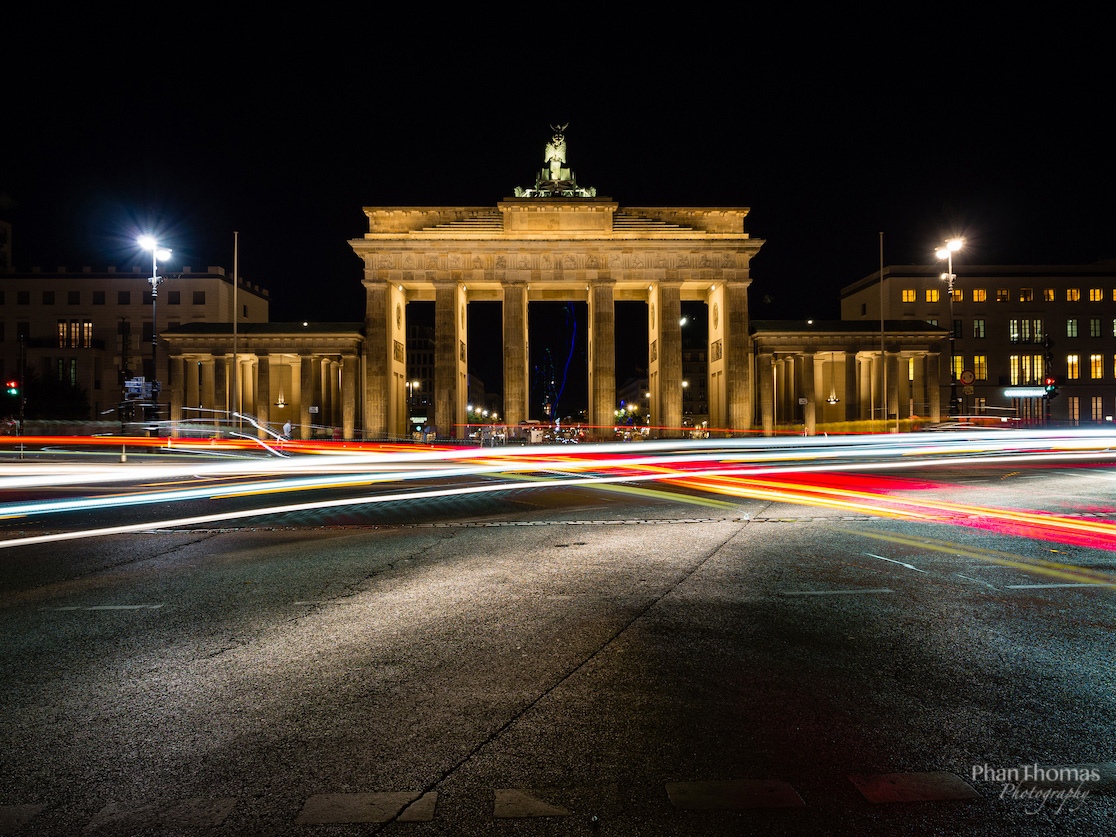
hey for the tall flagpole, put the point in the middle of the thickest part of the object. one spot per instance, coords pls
(883, 356)
(236, 317)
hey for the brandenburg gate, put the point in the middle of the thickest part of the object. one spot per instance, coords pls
(555, 242)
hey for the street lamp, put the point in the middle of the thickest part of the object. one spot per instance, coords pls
(411, 387)
(147, 242)
(946, 251)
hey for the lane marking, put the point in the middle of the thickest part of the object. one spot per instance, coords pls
(893, 561)
(977, 580)
(1032, 565)
(912, 787)
(107, 607)
(834, 592)
(520, 803)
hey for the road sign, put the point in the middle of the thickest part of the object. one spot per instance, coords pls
(967, 376)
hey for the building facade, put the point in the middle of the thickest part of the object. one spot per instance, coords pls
(92, 329)
(1013, 328)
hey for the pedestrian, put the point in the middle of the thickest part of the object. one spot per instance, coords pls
(287, 428)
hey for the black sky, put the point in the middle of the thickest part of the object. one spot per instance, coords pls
(831, 127)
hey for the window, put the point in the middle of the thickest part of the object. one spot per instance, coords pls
(957, 334)
(1096, 367)
(1031, 368)
(1098, 408)
(1073, 367)
(958, 366)
(980, 367)
(1026, 295)
(980, 295)
(1002, 295)
(1025, 331)
(147, 332)
(1073, 294)
(123, 297)
(1048, 295)
(933, 294)
(978, 327)
(1013, 365)
(23, 331)
(1071, 327)
(1096, 295)
(958, 295)
(63, 339)
(908, 295)
(73, 297)
(199, 297)
(1094, 327)
(86, 341)
(1074, 409)
(174, 297)
(98, 297)
(23, 297)
(48, 297)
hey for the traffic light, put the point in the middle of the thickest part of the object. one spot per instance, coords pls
(13, 387)
(1051, 387)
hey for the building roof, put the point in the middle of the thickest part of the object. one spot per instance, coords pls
(1105, 268)
(819, 327)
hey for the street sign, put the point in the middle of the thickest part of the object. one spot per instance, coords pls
(967, 376)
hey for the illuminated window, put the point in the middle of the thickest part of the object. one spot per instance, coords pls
(1002, 295)
(958, 366)
(63, 340)
(958, 295)
(910, 368)
(981, 295)
(1071, 327)
(1048, 295)
(1074, 409)
(1096, 367)
(1014, 369)
(1073, 294)
(1094, 327)
(1026, 295)
(980, 367)
(1096, 295)
(908, 295)
(978, 327)
(1031, 372)
(1073, 367)
(1098, 408)
(933, 294)
(87, 334)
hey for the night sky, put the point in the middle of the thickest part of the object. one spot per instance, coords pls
(831, 127)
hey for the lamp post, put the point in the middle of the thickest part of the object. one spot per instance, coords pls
(946, 251)
(411, 387)
(147, 242)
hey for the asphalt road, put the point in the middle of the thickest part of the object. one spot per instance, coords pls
(583, 661)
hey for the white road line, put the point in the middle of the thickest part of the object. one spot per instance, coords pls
(893, 561)
(977, 580)
(833, 592)
(108, 607)
(1045, 586)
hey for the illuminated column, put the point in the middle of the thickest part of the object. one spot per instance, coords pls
(220, 384)
(208, 385)
(192, 386)
(602, 357)
(864, 389)
(335, 393)
(804, 388)
(738, 369)
(308, 387)
(852, 396)
(516, 364)
(892, 384)
(932, 365)
(350, 381)
(450, 358)
(668, 301)
(766, 373)
(261, 398)
(177, 373)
